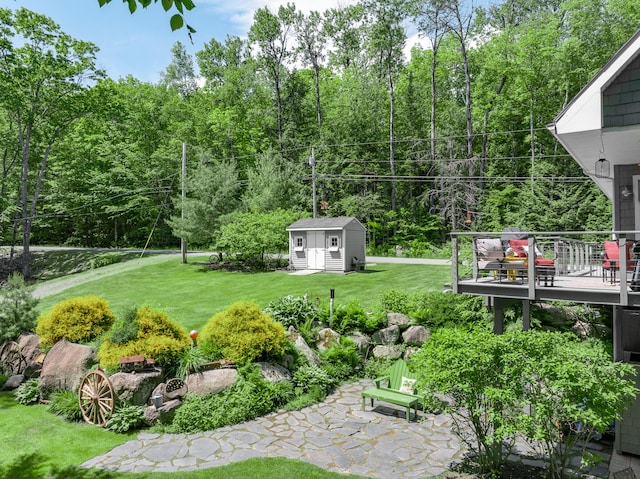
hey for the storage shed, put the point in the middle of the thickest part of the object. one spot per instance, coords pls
(327, 244)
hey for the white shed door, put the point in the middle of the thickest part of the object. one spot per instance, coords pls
(315, 249)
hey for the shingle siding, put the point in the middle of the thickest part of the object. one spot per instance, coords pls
(621, 99)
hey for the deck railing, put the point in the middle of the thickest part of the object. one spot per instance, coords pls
(577, 265)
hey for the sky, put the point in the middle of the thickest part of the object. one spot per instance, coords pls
(140, 44)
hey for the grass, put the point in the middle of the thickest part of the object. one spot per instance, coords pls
(190, 293)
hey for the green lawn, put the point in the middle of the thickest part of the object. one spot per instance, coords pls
(190, 293)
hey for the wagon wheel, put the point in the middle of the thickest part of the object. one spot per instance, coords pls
(174, 388)
(12, 359)
(96, 398)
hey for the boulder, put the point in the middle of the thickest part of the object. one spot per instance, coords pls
(163, 414)
(398, 319)
(361, 341)
(326, 338)
(136, 388)
(65, 365)
(387, 352)
(29, 346)
(212, 381)
(304, 349)
(416, 335)
(274, 373)
(13, 382)
(386, 336)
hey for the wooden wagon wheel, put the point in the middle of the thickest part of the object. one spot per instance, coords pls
(12, 359)
(174, 388)
(96, 398)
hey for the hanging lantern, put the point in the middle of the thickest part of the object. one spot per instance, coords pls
(602, 167)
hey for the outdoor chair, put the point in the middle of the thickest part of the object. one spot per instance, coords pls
(611, 259)
(489, 255)
(545, 269)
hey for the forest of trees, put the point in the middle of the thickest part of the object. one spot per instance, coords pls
(412, 147)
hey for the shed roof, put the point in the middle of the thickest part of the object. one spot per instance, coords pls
(337, 223)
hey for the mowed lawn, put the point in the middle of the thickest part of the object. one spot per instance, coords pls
(191, 293)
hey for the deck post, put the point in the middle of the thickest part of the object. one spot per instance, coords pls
(617, 333)
(454, 264)
(498, 315)
(622, 270)
(526, 314)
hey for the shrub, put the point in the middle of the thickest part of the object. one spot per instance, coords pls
(80, 320)
(308, 377)
(27, 392)
(157, 337)
(125, 328)
(105, 260)
(17, 309)
(126, 418)
(243, 332)
(292, 310)
(341, 359)
(190, 361)
(65, 404)
(377, 367)
(346, 319)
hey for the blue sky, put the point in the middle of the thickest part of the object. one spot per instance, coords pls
(140, 44)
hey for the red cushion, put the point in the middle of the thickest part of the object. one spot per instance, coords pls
(544, 262)
(517, 245)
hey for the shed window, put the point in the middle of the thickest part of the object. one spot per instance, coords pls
(298, 243)
(334, 243)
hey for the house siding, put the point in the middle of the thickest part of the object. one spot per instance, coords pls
(621, 99)
(297, 259)
(624, 207)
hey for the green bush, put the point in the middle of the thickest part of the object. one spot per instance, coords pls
(307, 377)
(377, 367)
(3, 379)
(17, 309)
(158, 338)
(252, 396)
(126, 418)
(315, 395)
(346, 319)
(244, 333)
(292, 310)
(105, 260)
(190, 361)
(27, 392)
(125, 328)
(341, 359)
(80, 320)
(65, 404)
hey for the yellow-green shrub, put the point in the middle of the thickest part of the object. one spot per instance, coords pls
(243, 332)
(81, 319)
(158, 337)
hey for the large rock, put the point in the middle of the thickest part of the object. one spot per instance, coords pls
(304, 349)
(361, 341)
(387, 352)
(13, 382)
(327, 337)
(274, 373)
(416, 335)
(398, 319)
(386, 336)
(65, 365)
(212, 381)
(30, 350)
(136, 388)
(163, 414)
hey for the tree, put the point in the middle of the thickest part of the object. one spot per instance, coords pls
(18, 312)
(551, 388)
(180, 74)
(176, 21)
(43, 77)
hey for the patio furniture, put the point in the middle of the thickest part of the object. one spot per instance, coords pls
(611, 259)
(624, 474)
(399, 389)
(545, 268)
(489, 255)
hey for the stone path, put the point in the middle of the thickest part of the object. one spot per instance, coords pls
(335, 435)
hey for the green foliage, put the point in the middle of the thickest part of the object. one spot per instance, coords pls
(292, 310)
(341, 359)
(251, 396)
(3, 379)
(17, 308)
(493, 381)
(346, 319)
(36, 466)
(66, 405)
(80, 319)
(157, 338)
(244, 333)
(28, 392)
(125, 328)
(307, 377)
(314, 395)
(190, 361)
(126, 418)
(253, 234)
(376, 367)
(105, 260)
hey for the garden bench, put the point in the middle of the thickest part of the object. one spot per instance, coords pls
(358, 264)
(398, 390)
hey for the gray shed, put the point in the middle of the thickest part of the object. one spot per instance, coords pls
(327, 244)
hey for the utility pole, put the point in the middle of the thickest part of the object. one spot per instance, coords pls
(312, 162)
(183, 243)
